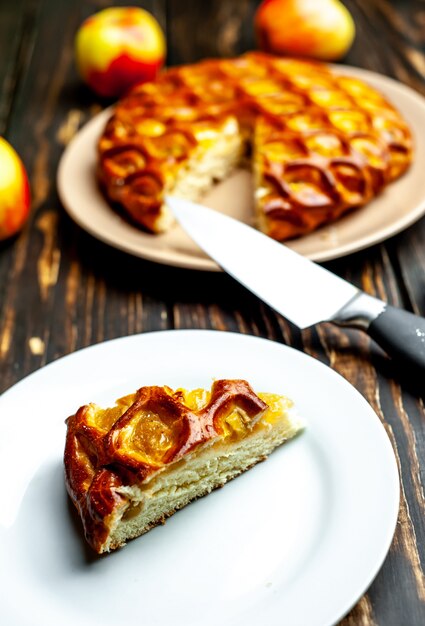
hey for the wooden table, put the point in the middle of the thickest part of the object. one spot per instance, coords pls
(61, 290)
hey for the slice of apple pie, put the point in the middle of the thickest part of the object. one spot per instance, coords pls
(129, 467)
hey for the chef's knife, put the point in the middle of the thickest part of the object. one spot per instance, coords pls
(302, 291)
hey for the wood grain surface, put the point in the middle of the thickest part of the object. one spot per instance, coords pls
(61, 290)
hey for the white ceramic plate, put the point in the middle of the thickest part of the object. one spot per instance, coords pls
(401, 204)
(294, 541)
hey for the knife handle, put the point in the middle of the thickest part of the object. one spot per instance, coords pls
(402, 335)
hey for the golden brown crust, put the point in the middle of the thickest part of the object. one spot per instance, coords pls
(107, 450)
(323, 143)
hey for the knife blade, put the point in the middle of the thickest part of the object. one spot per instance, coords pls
(301, 290)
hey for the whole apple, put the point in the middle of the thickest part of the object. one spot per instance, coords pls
(14, 191)
(118, 48)
(319, 29)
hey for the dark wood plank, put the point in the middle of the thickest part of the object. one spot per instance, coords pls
(202, 29)
(14, 30)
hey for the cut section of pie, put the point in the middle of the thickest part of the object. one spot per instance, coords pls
(319, 143)
(129, 467)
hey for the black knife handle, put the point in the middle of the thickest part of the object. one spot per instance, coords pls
(402, 335)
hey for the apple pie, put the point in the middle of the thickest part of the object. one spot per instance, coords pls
(129, 467)
(319, 143)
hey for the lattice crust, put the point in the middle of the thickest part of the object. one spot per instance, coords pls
(322, 143)
(111, 451)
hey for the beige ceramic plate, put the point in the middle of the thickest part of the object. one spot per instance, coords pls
(401, 204)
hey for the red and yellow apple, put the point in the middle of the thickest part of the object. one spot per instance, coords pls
(118, 48)
(319, 29)
(14, 191)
